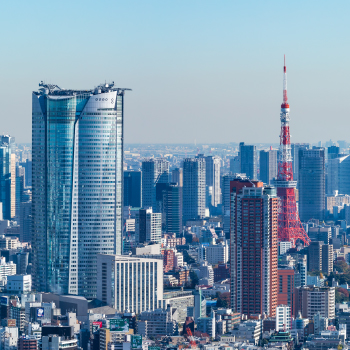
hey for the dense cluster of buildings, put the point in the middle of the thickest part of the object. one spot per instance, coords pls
(108, 246)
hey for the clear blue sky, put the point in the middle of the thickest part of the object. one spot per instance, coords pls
(204, 70)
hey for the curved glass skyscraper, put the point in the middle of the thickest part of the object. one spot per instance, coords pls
(77, 155)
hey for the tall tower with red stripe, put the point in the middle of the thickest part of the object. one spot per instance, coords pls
(289, 225)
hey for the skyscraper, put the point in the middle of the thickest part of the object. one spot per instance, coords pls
(268, 166)
(25, 220)
(311, 184)
(226, 199)
(295, 158)
(5, 181)
(193, 189)
(248, 161)
(212, 175)
(333, 152)
(148, 226)
(77, 145)
(177, 176)
(8, 176)
(153, 171)
(132, 189)
(338, 178)
(172, 209)
(253, 248)
(235, 165)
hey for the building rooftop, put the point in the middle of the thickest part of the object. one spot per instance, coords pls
(55, 90)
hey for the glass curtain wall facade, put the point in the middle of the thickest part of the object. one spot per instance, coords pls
(312, 184)
(8, 177)
(77, 158)
(193, 205)
(154, 171)
(248, 161)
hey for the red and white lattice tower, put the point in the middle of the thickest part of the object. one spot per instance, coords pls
(289, 225)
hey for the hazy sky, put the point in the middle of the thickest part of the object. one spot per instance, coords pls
(209, 71)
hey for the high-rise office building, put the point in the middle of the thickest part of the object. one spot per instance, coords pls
(148, 226)
(338, 178)
(226, 199)
(193, 189)
(295, 158)
(77, 153)
(235, 165)
(177, 176)
(20, 184)
(311, 184)
(333, 152)
(27, 165)
(268, 166)
(320, 257)
(172, 209)
(132, 189)
(212, 176)
(25, 220)
(8, 176)
(300, 279)
(248, 160)
(153, 171)
(253, 248)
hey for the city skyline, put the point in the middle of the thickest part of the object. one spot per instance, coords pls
(231, 52)
(166, 198)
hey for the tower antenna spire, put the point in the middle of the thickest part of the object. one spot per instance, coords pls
(289, 225)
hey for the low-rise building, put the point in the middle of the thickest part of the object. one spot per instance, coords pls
(19, 284)
(181, 300)
(6, 269)
(158, 322)
(248, 331)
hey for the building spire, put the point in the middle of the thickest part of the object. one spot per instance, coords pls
(285, 97)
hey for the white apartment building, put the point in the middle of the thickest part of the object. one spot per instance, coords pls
(129, 283)
(153, 226)
(284, 247)
(7, 269)
(19, 283)
(9, 242)
(283, 318)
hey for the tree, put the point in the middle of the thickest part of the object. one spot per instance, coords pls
(188, 258)
(223, 300)
(341, 266)
(343, 291)
(315, 273)
(340, 297)
(194, 279)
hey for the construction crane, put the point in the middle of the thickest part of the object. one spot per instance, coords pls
(191, 339)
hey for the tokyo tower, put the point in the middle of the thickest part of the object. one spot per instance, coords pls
(289, 225)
